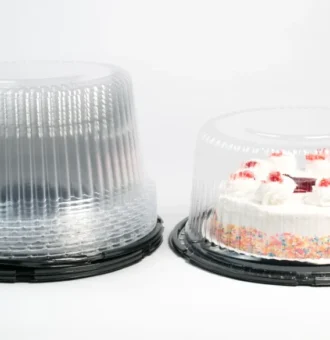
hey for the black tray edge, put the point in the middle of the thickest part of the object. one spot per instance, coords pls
(277, 272)
(105, 263)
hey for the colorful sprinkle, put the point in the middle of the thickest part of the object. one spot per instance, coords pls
(284, 245)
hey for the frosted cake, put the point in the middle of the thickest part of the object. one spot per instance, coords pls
(271, 208)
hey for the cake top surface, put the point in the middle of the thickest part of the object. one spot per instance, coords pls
(278, 179)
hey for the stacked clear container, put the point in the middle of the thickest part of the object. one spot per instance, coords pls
(288, 224)
(71, 179)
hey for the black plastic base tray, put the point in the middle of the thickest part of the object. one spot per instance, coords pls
(107, 262)
(247, 268)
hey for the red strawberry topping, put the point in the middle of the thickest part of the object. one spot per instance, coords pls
(312, 157)
(250, 164)
(275, 177)
(321, 154)
(277, 154)
(243, 174)
(324, 182)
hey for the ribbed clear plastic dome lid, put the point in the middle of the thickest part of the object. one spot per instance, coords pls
(72, 183)
(262, 184)
(15, 74)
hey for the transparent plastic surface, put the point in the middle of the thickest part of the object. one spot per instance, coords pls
(71, 178)
(262, 184)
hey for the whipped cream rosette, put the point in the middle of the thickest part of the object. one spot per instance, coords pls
(259, 167)
(276, 189)
(318, 164)
(320, 194)
(242, 183)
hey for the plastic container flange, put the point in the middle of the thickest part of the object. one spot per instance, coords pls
(227, 263)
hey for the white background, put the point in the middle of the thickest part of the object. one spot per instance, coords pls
(190, 60)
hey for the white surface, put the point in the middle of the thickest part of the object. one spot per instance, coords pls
(162, 298)
(190, 60)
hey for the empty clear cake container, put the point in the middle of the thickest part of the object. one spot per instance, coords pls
(72, 184)
(261, 195)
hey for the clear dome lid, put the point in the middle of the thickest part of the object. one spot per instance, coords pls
(261, 184)
(72, 182)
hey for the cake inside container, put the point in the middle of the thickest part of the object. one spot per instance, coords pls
(262, 184)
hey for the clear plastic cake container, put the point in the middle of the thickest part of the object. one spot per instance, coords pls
(262, 184)
(72, 183)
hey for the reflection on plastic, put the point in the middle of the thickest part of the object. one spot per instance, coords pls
(71, 179)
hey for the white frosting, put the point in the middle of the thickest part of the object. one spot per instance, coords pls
(241, 187)
(273, 207)
(285, 163)
(208, 234)
(294, 217)
(261, 169)
(275, 193)
(318, 168)
(320, 196)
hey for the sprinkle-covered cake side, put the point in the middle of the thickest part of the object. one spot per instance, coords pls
(273, 209)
